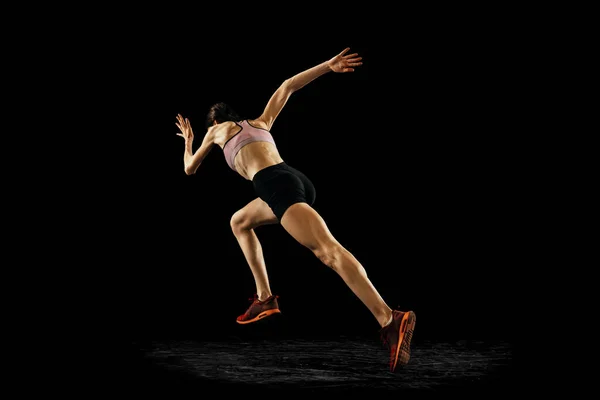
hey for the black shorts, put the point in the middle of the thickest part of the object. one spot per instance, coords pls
(280, 186)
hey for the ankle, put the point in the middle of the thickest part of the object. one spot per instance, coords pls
(386, 321)
(264, 296)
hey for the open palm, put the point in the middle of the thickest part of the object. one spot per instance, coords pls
(185, 127)
(344, 63)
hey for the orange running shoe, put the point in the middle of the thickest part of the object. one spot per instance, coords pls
(259, 310)
(397, 336)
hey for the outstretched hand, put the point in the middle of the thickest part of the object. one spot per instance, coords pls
(185, 127)
(344, 63)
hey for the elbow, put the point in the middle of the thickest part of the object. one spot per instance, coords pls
(189, 170)
(289, 86)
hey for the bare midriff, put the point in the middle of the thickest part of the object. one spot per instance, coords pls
(255, 156)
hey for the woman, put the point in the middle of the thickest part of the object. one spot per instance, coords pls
(285, 196)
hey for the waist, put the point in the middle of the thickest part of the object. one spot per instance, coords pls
(255, 157)
(267, 170)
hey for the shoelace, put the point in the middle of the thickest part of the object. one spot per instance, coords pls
(255, 299)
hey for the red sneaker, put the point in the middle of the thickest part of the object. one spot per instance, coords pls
(397, 336)
(259, 310)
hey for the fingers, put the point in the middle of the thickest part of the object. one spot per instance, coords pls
(184, 126)
(352, 60)
(344, 51)
(183, 122)
(356, 60)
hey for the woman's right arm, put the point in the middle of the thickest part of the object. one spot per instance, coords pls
(341, 63)
(191, 160)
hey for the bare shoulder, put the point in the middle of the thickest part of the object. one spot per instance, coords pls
(223, 132)
(258, 123)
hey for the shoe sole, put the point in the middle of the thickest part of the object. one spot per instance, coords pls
(405, 334)
(260, 316)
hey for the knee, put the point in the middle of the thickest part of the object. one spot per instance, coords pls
(238, 223)
(330, 254)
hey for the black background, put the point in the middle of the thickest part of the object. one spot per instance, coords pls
(406, 154)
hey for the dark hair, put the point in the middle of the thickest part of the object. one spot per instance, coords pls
(221, 112)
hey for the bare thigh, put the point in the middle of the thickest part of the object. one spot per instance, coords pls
(307, 227)
(254, 214)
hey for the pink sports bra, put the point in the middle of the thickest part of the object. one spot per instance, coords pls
(246, 135)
